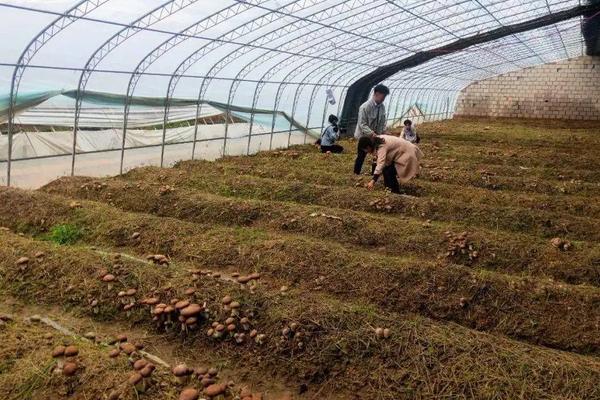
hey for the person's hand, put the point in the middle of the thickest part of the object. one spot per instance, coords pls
(371, 185)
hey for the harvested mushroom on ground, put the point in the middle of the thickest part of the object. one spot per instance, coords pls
(136, 380)
(189, 394)
(114, 353)
(127, 348)
(182, 372)
(71, 351)
(387, 333)
(135, 235)
(69, 369)
(139, 364)
(379, 333)
(215, 389)
(40, 254)
(90, 335)
(22, 262)
(226, 300)
(58, 353)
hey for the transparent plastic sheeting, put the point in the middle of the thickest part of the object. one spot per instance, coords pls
(265, 67)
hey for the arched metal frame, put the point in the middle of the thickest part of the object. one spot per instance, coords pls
(291, 39)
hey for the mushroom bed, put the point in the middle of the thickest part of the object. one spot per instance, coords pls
(278, 276)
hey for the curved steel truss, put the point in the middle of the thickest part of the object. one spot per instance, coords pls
(283, 55)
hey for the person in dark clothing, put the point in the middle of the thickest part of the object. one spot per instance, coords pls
(329, 136)
(372, 121)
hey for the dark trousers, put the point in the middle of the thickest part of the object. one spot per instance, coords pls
(334, 148)
(389, 173)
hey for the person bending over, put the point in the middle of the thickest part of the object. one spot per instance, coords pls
(409, 132)
(392, 151)
(329, 137)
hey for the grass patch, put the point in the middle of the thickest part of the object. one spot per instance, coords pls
(64, 234)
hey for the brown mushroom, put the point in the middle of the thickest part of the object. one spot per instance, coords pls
(226, 300)
(189, 394)
(109, 279)
(127, 348)
(140, 364)
(58, 353)
(215, 389)
(182, 304)
(69, 369)
(71, 351)
(191, 310)
(182, 373)
(137, 381)
(121, 337)
(114, 353)
(22, 261)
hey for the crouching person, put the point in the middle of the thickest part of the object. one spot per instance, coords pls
(394, 156)
(330, 135)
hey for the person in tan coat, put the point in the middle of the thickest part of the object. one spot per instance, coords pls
(394, 155)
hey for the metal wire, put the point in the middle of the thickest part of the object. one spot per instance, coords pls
(290, 44)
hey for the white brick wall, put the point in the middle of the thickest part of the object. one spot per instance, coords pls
(568, 89)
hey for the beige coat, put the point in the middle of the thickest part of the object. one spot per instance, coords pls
(405, 155)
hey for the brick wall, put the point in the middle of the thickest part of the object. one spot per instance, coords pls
(567, 89)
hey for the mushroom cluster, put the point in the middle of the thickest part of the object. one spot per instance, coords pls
(460, 245)
(141, 376)
(561, 244)
(384, 204)
(94, 186)
(383, 333)
(184, 313)
(158, 259)
(22, 263)
(232, 324)
(291, 333)
(66, 363)
(166, 189)
(207, 377)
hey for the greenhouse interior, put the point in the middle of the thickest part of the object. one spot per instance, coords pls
(300, 199)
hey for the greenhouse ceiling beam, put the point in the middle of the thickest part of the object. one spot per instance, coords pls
(515, 36)
(63, 21)
(558, 32)
(304, 65)
(150, 18)
(159, 51)
(359, 90)
(591, 30)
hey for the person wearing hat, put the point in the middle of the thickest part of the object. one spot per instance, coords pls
(329, 137)
(372, 121)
